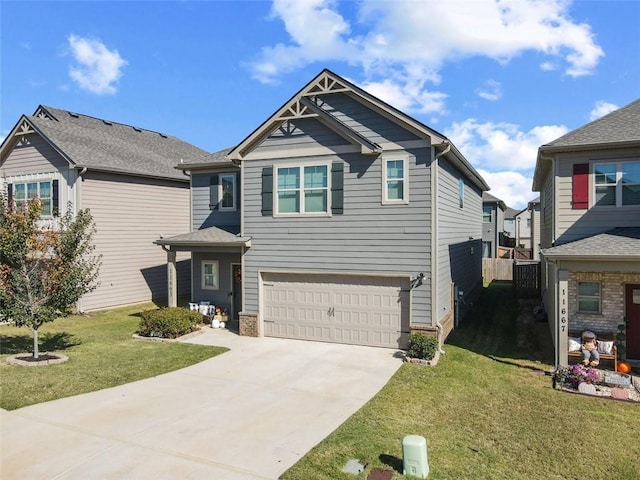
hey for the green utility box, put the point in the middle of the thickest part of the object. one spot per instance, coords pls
(414, 453)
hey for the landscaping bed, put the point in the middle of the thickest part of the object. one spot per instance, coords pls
(596, 382)
(101, 352)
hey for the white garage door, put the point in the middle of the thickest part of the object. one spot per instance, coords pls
(352, 309)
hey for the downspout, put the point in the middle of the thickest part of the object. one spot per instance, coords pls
(434, 243)
(188, 174)
(77, 205)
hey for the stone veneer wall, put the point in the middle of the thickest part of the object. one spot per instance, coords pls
(612, 285)
(249, 326)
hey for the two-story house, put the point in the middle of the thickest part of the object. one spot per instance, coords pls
(492, 224)
(533, 207)
(124, 175)
(510, 227)
(338, 219)
(589, 184)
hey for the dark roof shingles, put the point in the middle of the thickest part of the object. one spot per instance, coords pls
(619, 126)
(622, 241)
(94, 143)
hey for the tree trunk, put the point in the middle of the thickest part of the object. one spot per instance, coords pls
(36, 354)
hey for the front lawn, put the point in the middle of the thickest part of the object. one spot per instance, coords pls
(487, 411)
(101, 354)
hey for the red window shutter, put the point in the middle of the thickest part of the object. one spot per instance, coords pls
(581, 186)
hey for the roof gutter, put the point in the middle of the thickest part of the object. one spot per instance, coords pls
(195, 243)
(592, 258)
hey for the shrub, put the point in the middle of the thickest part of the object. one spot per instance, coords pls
(422, 346)
(171, 322)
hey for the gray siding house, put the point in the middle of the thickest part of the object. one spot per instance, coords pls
(339, 219)
(124, 175)
(589, 184)
(492, 224)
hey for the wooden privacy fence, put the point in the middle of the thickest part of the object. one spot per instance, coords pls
(526, 279)
(525, 276)
(497, 269)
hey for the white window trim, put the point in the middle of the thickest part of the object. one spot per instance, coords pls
(405, 180)
(618, 185)
(300, 166)
(235, 193)
(578, 296)
(217, 270)
(37, 181)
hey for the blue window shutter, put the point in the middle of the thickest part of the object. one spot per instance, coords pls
(267, 191)
(10, 196)
(55, 198)
(337, 188)
(213, 192)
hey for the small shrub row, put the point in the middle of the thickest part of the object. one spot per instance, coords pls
(422, 346)
(171, 322)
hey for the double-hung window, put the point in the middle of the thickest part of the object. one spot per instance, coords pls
(616, 184)
(227, 192)
(25, 192)
(395, 184)
(487, 214)
(589, 297)
(210, 274)
(302, 190)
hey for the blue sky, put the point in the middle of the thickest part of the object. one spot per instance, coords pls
(499, 78)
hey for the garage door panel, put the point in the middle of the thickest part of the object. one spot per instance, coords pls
(345, 309)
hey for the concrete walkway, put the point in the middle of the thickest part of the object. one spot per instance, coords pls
(249, 413)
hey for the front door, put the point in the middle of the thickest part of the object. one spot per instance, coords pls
(236, 289)
(633, 321)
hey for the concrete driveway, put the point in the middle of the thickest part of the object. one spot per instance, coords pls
(250, 413)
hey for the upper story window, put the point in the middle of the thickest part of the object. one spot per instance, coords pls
(461, 192)
(395, 184)
(227, 192)
(302, 190)
(487, 214)
(223, 193)
(616, 184)
(25, 192)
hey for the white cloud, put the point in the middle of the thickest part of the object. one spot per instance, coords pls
(601, 109)
(503, 154)
(496, 146)
(408, 42)
(408, 96)
(491, 90)
(513, 188)
(548, 66)
(97, 69)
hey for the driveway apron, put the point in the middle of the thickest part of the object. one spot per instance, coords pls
(249, 413)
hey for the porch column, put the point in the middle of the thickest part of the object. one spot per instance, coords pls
(172, 284)
(562, 342)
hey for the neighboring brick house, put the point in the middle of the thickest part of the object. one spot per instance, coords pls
(589, 184)
(124, 175)
(339, 219)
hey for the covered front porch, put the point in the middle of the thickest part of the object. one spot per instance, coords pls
(593, 285)
(216, 267)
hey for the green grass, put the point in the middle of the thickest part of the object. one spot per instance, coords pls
(101, 354)
(487, 411)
